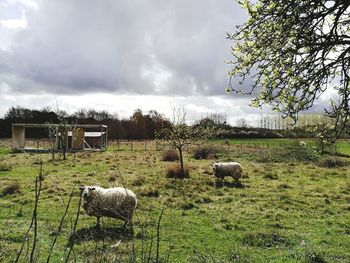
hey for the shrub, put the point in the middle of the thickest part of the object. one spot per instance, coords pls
(187, 206)
(313, 257)
(174, 171)
(301, 153)
(205, 152)
(170, 155)
(13, 188)
(293, 152)
(4, 166)
(112, 179)
(271, 175)
(152, 192)
(265, 240)
(331, 163)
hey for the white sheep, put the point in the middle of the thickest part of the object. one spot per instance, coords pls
(117, 202)
(231, 169)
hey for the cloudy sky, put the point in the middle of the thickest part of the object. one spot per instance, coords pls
(119, 55)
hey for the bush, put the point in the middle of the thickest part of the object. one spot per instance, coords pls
(271, 175)
(205, 152)
(13, 188)
(331, 163)
(174, 171)
(112, 179)
(187, 206)
(293, 152)
(152, 192)
(265, 240)
(170, 155)
(4, 166)
(301, 153)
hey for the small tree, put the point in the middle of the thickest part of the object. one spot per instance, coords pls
(59, 133)
(180, 136)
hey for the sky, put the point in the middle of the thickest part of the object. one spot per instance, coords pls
(119, 55)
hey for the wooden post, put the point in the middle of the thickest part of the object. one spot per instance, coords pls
(106, 143)
(101, 138)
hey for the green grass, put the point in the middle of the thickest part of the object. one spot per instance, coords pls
(294, 212)
(343, 146)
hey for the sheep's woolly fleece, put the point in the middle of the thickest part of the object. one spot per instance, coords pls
(115, 202)
(231, 169)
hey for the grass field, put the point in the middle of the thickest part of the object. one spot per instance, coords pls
(343, 146)
(295, 211)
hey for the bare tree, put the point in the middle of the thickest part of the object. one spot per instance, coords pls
(180, 135)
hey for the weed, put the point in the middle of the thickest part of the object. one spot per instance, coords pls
(37, 161)
(13, 188)
(271, 175)
(139, 181)
(152, 192)
(314, 258)
(20, 212)
(170, 155)
(283, 186)
(288, 154)
(204, 200)
(187, 206)
(4, 166)
(265, 240)
(112, 179)
(205, 152)
(331, 162)
(174, 171)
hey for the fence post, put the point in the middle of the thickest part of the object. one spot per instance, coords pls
(131, 146)
(145, 146)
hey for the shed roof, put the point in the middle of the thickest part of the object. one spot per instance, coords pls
(48, 125)
(90, 134)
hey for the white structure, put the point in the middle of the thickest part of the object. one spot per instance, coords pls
(75, 136)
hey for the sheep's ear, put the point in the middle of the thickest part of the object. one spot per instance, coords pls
(81, 188)
(92, 188)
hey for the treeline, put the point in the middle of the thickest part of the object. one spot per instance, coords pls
(139, 126)
(145, 126)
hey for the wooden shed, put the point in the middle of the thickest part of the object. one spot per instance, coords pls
(72, 137)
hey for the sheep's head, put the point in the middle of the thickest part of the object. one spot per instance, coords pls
(86, 191)
(214, 166)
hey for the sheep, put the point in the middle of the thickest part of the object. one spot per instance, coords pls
(117, 202)
(231, 169)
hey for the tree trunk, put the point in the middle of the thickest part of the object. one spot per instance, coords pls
(181, 163)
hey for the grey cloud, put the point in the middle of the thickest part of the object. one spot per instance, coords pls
(73, 47)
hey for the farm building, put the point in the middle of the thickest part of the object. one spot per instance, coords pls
(77, 137)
